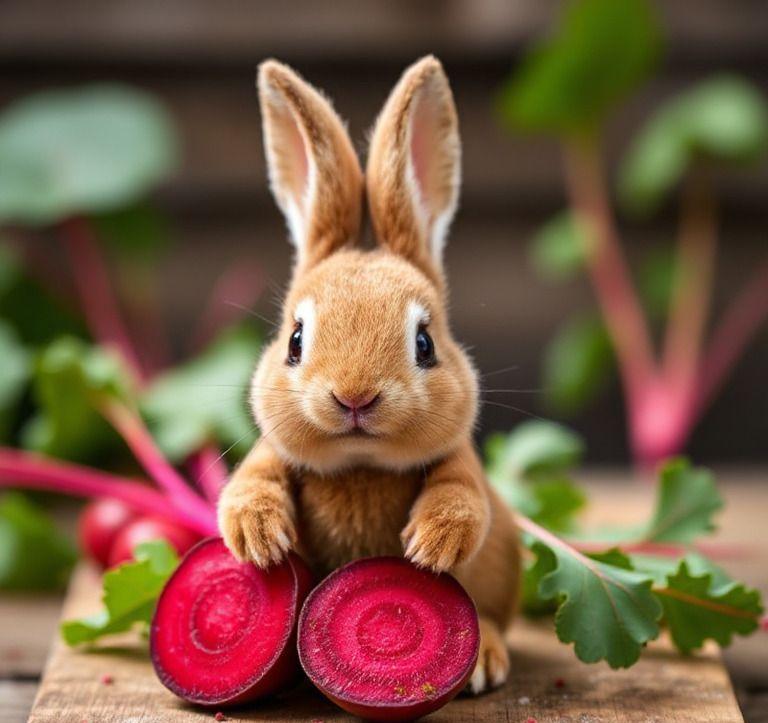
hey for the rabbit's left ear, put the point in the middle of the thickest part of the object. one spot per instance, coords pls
(414, 166)
(313, 169)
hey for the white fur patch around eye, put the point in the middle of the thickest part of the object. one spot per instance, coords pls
(416, 316)
(305, 313)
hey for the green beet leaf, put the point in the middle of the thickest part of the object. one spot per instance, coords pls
(686, 503)
(16, 371)
(130, 595)
(87, 150)
(205, 400)
(602, 50)
(721, 120)
(70, 379)
(607, 611)
(558, 248)
(578, 364)
(34, 555)
(530, 469)
(701, 602)
(35, 315)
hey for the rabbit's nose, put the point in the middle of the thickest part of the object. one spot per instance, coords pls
(357, 403)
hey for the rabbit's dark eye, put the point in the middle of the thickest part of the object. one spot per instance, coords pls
(294, 346)
(425, 349)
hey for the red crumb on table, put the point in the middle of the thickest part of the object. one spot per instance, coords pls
(530, 720)
(107, 679)
(316, 720)
(559, 682)
(220, 716)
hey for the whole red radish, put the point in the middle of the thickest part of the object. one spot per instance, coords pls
(144, 529)
(99, 525)
(224, 631)
(388, 641)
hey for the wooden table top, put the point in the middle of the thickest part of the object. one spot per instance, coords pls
(663, 686)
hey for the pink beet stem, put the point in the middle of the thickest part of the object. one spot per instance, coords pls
(236, 290)
(607, 267)
(208, 469)
(23, 469)
(715, 550)
(99, 304)
(739, 324)
(697, 249)
(131, 428)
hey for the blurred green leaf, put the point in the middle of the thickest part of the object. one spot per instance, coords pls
(16, 371)
(686, 502)
(530, 469)
(139, 233)
(205, 400)
(88, 150)
(130, 594)
(601, 51)
(34, 314)
(558, 248)
(34, 555)
(69, 379)
(723, 119)
(578, 362)
(656, 280)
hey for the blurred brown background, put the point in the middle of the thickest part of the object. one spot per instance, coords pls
(200, 57)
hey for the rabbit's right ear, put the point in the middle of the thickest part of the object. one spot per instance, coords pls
(313, 169)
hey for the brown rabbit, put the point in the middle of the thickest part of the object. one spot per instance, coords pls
(365, 402)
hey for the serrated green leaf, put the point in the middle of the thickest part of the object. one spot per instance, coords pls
(87, 150)
(700, 605)
(723, 120)
(130, 594)
(558, 249)
(16, 371)
(601, 51)
(34, 555)
(608, 612)
(70, 378)
(531, 601)
(578, 363)
(205, 400)
(687, 500)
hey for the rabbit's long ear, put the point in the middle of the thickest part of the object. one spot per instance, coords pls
(313, 169)
(414, 166)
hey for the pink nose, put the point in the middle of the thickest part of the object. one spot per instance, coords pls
(358, 403)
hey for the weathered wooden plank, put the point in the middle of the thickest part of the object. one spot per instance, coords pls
(663, 686)
(27, 623)
(190, 30)
(16, 698)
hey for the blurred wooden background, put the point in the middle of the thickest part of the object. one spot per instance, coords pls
(199, 57)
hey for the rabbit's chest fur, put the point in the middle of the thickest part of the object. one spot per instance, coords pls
(355, 514)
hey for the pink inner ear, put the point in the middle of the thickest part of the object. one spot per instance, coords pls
(299, 162)
(423, 126)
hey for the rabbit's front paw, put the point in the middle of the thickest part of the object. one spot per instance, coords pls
(440, 539)
(257, 524)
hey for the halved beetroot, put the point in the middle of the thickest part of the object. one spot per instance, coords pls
(224, 631)
(388, 641)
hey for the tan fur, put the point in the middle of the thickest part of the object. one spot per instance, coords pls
(414, 484)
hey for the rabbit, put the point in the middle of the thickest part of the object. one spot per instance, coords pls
(365, 402)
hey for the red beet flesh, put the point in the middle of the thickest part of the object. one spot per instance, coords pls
(145, 529)
(388, 641)
(99, 525)
(224, 631)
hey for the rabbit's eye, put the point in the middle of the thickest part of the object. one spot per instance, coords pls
(425, 349)
(294, 346)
